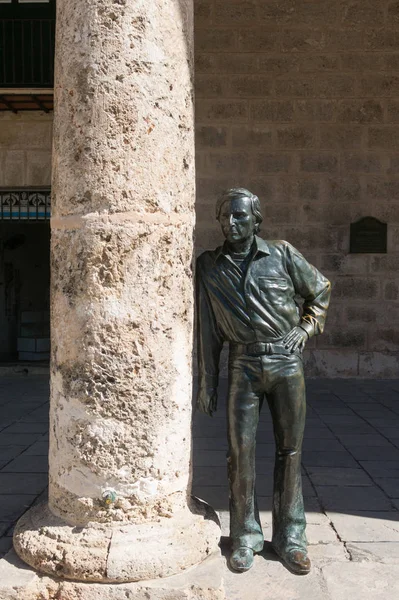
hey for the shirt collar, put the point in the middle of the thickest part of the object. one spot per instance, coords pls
(261, 247)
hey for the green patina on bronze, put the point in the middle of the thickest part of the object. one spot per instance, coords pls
(246, 296)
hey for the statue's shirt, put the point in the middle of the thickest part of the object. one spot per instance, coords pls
(257, 305)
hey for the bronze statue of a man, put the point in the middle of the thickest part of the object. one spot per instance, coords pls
(246, 293)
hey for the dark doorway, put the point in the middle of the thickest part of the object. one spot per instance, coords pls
(24, 291)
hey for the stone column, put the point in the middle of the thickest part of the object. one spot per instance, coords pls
(122, 300)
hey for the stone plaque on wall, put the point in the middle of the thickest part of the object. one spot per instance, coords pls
(368, 235)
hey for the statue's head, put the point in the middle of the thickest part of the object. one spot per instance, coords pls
(239, 215)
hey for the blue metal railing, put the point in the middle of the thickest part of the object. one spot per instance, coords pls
(25, 204)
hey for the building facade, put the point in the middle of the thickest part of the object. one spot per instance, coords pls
(26, 98)
(296, 100)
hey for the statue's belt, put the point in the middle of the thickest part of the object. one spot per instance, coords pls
(261, 348)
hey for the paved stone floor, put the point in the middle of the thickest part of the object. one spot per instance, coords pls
(350, 477)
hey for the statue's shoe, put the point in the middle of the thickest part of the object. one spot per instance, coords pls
(296, 560)
(241, 559)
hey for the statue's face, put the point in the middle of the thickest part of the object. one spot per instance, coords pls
(237, 220)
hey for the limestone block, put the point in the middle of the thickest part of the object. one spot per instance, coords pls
(331, 363)
(38, 168)
(379, 364)
(223, 110)
(16, 133)
(315, 110)
(272, 110)
(14, 168)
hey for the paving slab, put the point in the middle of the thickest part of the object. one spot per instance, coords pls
(15, 578)
(321, 432)
(39, 448)
(13, 505)
(353, 400)
(265, 450)
(268, 578)
(333, 410)
(329, 445)
(340, 429)
(350, 498)
(391, 433)
(389, 485)
(30, 483)
(5, 545)
(27, 428)
(366, 581)
(324, 554)
(209, 444)
(27, 464)
(205, 458)
(376, 453)
(18, 439)
(204, 477)
(369, 526)
(343, 419)
(376, 411)
(314, 422)
(369, 440)
(338, 476)
(328, 459)
(383, 552)
(379, 468)
(378, 421)
(217, 496)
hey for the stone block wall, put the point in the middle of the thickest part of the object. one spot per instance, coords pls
(25, 149)
(298, 100)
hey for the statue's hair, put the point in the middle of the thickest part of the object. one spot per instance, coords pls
(235, 193)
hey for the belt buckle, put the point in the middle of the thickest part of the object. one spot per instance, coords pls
(257, 348)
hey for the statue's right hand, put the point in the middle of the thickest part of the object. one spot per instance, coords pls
(207, 400)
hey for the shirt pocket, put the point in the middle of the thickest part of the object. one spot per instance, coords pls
(274, 289)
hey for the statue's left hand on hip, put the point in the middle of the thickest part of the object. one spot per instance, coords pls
(295, 339)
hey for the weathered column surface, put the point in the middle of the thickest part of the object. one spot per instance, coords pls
(122, 229)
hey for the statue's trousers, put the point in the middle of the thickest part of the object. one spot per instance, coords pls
(280, 380)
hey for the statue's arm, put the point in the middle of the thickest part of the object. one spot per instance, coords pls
(209, 343)
(314, 288)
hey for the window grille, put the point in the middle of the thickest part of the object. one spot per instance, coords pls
(27, 33)
(25, 204)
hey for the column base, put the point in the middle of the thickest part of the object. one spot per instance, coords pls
(115, 553)
(203, 582)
